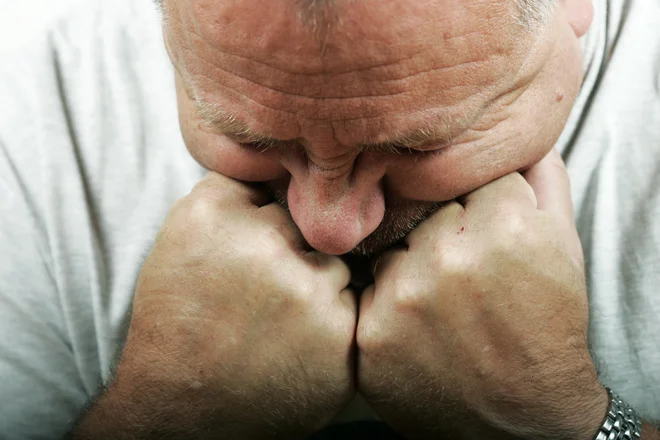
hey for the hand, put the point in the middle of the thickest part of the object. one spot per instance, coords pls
(237, 330)
(479, 328)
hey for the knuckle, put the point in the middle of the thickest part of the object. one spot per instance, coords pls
(301, 294)
(203, 188)
(410, 297)
(514, 231)
(201, 207)
(340, 335)
(368, 335)
(287, 293)
(267, 246)
(452, 261)
(374, 345)
(207, 191)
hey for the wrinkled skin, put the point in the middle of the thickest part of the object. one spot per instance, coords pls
(477, 328)
(496, 96)
(239, 330)
(496, 93)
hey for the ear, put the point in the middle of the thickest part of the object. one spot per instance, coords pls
(580, 14)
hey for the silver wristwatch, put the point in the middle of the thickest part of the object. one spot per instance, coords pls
(621, 421)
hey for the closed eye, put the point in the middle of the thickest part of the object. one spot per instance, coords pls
(387, 148)
(262, 146)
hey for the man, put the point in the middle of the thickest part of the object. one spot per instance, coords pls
(413, 139)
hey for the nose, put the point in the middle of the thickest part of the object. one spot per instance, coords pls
(336, 202)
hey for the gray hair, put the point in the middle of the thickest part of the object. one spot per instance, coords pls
(530, 13)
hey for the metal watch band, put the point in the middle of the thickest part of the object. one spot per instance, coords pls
(621, 421)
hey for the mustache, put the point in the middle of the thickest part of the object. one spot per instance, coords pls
(390, 233)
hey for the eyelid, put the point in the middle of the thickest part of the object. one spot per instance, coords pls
(262, 146)
(265, 145)
(403, 149)
(259, 146)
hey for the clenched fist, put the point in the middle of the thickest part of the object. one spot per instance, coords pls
(478, 329)
(238, 331)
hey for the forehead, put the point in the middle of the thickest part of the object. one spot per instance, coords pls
(358, 65)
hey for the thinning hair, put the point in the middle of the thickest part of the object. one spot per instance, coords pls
(320, 13)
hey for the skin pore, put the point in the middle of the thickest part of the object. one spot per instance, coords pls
(364, 127)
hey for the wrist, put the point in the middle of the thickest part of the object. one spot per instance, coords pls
(567, 418)
(142, 403)
(594, 416)
(621, 421)
(650, 432)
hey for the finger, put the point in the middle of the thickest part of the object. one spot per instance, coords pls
(367, 299)
(510, 190)
(384, 271)
(230, 191)
(332, 269)
(281, 220)
(348, 299)
(551, 185)
(449, 219)
(387, 263)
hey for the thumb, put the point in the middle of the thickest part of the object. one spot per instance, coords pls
(551, 185)
(550, 181)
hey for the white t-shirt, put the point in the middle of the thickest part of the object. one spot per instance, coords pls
(91, 159)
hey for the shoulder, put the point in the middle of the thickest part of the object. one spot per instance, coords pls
(60, 79)
(89, 83)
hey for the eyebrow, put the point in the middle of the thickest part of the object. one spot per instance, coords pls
(435, 132)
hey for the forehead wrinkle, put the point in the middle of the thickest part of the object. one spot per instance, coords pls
(217, 45)
(211, 110)
(321, 108)
(327, 108)
(381, 73)
(217, 110)
(312, 73)
(349, 72)
(325, 103)
(287, 93)
(435, 129)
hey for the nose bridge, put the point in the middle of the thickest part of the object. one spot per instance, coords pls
(335, 199)
(331, 169)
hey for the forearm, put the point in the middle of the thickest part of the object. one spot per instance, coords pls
(148, 403)
(120, 415)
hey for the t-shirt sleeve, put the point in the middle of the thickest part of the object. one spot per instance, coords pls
(41, 389)
(40, 386)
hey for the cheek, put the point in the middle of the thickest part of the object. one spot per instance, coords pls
(221, 155)
(456, 171)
